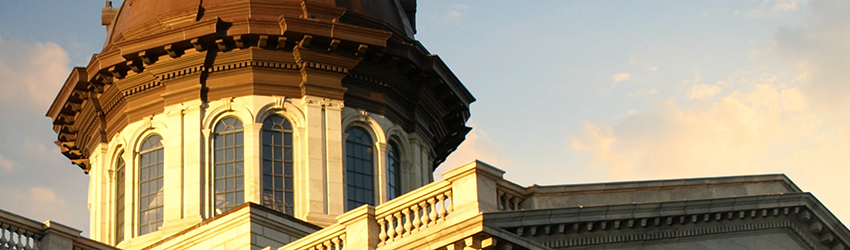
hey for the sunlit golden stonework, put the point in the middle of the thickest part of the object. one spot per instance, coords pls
(284, 124)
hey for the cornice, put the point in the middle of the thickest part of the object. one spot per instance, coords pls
(800, 213)
(276, 37)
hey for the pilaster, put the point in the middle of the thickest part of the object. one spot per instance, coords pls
(316, 168)
(334, 158)
(193, 160)
(173, 175)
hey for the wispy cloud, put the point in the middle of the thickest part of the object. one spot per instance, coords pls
(619, 77)
(456, 11)
(772, 8)
(5, 164)
(702, 91)
(478, 145)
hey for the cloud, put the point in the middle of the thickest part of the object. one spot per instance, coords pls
(456, 11)
(775, 9)
(653, 68)
(621, 77)
(641, 93)
(45, 196)
(478, 145)
(5, 164)
(38, 203)
(817, 49)
(32, 73)
(735, 134)
(702, 91)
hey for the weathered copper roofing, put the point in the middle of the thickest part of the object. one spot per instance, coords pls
(398, 15)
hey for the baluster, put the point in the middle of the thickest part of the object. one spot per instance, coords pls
(335, 241)
(416, 219)
(515, 203)
(433, 215)
(407, 225)
(29, 244)
(390, 228)
(382, 236)
(399, 227)
(441, 212)
(12, 235)
(329, 245)
(499, 194)
(20, 244)
(424, 218)
(341, 241)
(3, 239)
(451, 201)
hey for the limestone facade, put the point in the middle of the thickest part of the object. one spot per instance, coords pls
(188, 156)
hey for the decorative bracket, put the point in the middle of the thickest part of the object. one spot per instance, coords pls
(279, 102)
(362, 115)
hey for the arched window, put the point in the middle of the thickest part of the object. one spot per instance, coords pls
(150, 185)
(119, 199)
(359, 171)
(229, 165)
(278, 191)
(393, 171)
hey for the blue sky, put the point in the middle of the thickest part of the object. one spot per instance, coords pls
(568, 91)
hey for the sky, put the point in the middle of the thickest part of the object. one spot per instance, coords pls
(567, 92)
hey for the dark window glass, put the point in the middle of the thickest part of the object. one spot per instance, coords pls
(150, 185)
(229, 165)
(119, 200)
(278, 190)
(393, 171)
(359, 171)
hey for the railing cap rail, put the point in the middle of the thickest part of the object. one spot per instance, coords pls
(476, 166)
(18, 221)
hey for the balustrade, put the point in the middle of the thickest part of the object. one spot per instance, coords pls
(507, 201)
(20, 233)
(399, 221)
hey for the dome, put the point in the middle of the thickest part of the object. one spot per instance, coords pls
(394, 15)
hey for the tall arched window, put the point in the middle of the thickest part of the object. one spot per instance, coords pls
(278, 191)
(393, 171)
(119, 199)
(150, 184)
(229, 165)
(359, 171)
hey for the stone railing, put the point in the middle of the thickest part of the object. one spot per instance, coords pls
(17, 232)
(465, 192)
(417, 210)
(20, 233)
(329, 238)
(509, 196)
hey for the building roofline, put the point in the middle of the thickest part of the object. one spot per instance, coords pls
(667, 183)
(802, 208)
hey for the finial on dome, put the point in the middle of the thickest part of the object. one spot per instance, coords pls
(107, 14)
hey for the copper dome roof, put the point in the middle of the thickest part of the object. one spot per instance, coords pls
(396, 15)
